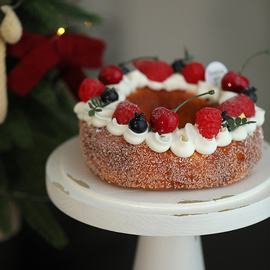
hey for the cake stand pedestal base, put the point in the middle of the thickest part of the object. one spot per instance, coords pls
(169, 223)
(172, 253)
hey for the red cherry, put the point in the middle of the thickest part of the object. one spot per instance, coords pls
(235, 82)
(193, 72)
(163, 120)
(110, 74)
(90, 88)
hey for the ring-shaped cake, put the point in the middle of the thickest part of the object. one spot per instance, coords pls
(184, 158)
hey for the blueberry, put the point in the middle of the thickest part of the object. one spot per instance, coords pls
(138, 124)
(225, 117)
(250, 91)
(109, 95)
(124, 69)
(178, 65)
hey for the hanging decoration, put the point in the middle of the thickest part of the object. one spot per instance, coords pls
(10, 32)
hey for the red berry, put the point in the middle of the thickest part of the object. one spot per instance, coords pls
(235, 82)
(125, 110)
(193, 72)
(163, 120)
(237, 105)
(90, 88)
(157, 71)
(209, 121)
(110, 74)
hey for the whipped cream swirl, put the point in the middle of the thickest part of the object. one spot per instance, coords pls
(182, 142)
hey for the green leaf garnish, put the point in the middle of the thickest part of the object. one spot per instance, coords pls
(244, 121)
(232, 124)
(238, 121)
(95, 105)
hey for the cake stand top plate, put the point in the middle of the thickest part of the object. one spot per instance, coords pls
(87, 198)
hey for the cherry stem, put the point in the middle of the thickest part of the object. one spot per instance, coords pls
(267, 51)
(155, 58)
(211, 92)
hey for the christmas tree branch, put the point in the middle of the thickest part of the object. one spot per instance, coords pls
(42, 13)
(77, 13)
(38, 216)
(5, 216)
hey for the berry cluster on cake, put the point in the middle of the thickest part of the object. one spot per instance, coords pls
(170, 126)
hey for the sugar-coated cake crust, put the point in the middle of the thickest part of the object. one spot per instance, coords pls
(137, 166)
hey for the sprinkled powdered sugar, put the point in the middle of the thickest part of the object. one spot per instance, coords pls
(115, 160)
(108, 154)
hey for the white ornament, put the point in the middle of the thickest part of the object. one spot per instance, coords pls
(214, 73)
(10, 32)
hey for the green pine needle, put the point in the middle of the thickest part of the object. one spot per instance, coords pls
(76, 13)
(45, 17)
(95, 105)
(5, 216)
(36, 124)
(44, 13)
(5, 210)
(38, 216)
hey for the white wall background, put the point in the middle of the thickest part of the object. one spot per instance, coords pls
(227, 31)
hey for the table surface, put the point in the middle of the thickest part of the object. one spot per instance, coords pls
(87, 198)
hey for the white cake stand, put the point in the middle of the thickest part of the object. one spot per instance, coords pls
(169, 223)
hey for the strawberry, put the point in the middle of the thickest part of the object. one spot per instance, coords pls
(237, 105)
(163, 120)
(124, 111)
(209, 121)
(193, 72)
(90, 88)
(110, 74)
(157, 71)
(234, 81)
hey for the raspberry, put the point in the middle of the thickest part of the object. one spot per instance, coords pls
(209, 121)
(157, 71)
(125, 110)
(193, 72)
(90, 88)
(110, 74)
(237, 105)
(163, 120)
